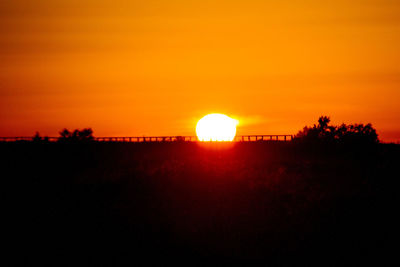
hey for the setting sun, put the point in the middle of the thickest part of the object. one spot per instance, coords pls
(216, 127)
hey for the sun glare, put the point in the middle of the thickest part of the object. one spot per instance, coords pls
(216, 127)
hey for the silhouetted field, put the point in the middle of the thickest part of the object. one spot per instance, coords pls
(278, 202)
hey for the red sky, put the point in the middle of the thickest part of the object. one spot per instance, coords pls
(133, 68)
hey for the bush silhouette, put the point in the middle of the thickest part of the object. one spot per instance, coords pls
(77, 135)
(323, 132)
(37, 138)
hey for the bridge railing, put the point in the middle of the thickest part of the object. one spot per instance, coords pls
(274, 137)
(141, 139)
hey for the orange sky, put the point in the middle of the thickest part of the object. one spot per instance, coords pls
(128, 68)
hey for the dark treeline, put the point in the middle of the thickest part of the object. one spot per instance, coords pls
(314, 202)
(77, 135)
(321, 133)
(66, 135)
(353, 134)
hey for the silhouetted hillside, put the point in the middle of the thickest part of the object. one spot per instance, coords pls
(100, 203)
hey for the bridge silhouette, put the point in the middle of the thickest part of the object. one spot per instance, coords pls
(141, 139)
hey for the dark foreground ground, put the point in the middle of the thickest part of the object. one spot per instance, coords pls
(105, 203)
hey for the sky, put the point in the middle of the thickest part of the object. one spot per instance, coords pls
(134, 68)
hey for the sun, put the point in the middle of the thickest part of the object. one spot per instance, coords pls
(216, 127)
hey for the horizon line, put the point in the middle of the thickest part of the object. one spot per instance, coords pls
(253, 137)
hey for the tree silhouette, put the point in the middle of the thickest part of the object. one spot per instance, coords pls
(323, 122)
(323, 132)
(77, 135)
(65, 134)
(37, 137)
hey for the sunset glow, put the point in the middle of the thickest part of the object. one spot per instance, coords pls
(134, 68)
(216, 127)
